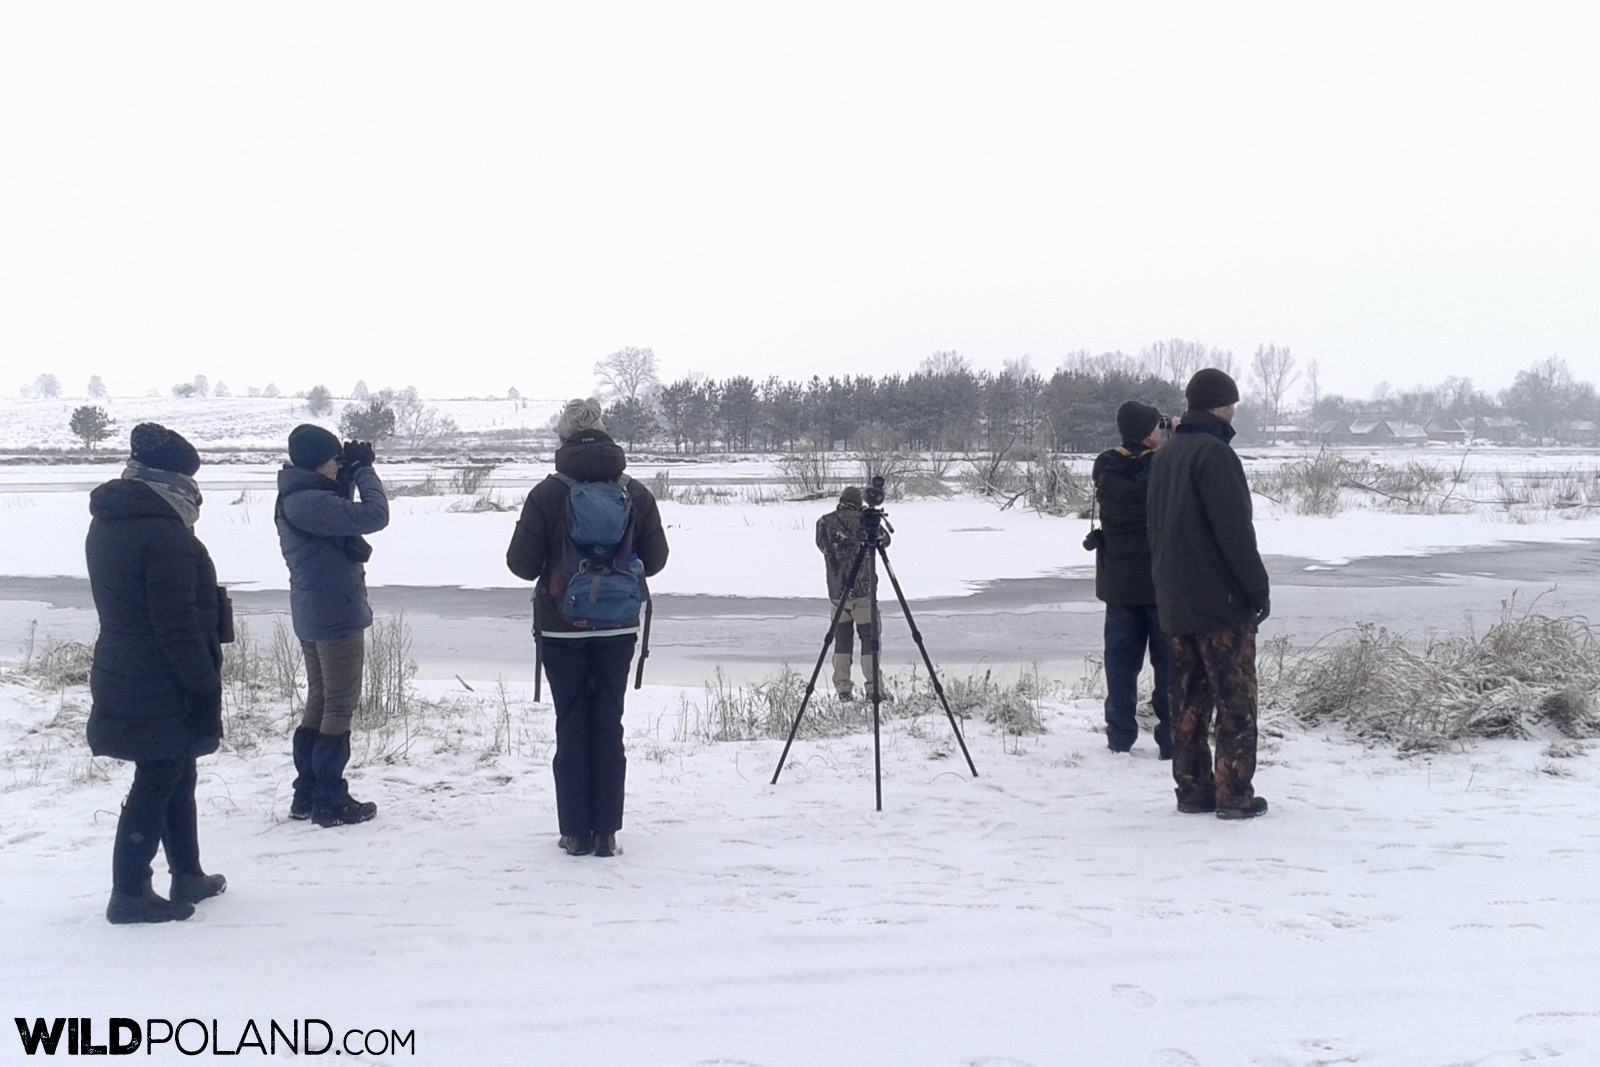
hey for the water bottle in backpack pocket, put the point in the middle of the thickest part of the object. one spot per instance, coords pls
(598, 581)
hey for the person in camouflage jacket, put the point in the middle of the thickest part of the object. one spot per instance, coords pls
(839, 540)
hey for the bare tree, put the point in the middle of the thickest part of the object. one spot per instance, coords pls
(44, 387)
(1313, 392)
(1273, 372)
(319, 401)
(628, 374)
(97, 388)
(1542, 395)
(947, 362)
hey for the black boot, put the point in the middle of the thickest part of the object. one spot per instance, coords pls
(305, 780)
(143, 905)
(332, 804)
(193, 888)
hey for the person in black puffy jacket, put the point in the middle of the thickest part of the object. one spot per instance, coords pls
(1122, 579)
(156, 682)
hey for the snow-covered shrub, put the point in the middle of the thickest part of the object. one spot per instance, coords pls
(1528, 674)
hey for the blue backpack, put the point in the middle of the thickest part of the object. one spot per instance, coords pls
(597, 581)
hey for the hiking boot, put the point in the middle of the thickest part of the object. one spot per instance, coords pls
(145, 906)
(1163, 751)
(344, 811)
(577, 844)
(193, 888)
(1257, 806)
(1197, 807)
(331, 802)
(605, 845)
(847, 698)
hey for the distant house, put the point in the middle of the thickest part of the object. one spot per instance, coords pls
(1334, 432)
(1577, 432)
(1497, 429)
(1406, 433)
(1449, 430)
(1384, 432)
(1369, 431)
(1287, 433)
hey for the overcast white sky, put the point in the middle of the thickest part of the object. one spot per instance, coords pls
(470, 196)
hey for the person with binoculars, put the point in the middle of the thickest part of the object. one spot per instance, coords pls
(1122, 577)
(329, 498)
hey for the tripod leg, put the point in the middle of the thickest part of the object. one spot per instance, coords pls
(827, 643)
(876, 682)
(933, 675)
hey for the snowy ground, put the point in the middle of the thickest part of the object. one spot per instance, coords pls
(1054, 910)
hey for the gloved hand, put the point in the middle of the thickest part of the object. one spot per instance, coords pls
(358, 454)
(1263, 609)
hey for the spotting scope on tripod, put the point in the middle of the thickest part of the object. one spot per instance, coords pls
(874, 521)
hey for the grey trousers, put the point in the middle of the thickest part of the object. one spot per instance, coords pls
(333, 682)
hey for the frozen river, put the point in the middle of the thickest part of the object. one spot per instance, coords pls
(1051, 622)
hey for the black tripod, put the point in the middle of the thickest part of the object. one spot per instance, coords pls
(872, 518)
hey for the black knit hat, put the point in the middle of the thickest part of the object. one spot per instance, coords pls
(1210, 388)
(1136, 421)
(156, 446)
(311, 446)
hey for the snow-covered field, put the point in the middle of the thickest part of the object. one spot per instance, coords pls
(1054, 910)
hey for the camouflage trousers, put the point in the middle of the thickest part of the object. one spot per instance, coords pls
(1205, 671)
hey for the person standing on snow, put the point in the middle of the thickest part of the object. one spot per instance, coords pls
(329, 498)
(839, 539)
(587, 666)
(156, 681)
(1122, 578)
(1211, 595)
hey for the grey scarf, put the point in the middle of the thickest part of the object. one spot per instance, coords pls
(178, 490)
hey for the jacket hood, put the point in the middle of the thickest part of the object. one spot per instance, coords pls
(125, 498)
(590, 456)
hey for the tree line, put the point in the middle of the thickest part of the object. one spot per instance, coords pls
(945, 405)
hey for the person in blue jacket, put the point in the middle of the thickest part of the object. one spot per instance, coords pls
(329, 498)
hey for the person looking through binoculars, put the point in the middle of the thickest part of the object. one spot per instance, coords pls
(1122, 577)
(329, 497)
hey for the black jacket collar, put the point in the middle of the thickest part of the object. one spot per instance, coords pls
(1195, 421)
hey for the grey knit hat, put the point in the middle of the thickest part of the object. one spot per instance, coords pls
(580, 415)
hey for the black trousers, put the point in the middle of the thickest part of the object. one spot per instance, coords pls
(588, 680)
(159, 811)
